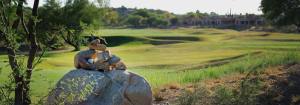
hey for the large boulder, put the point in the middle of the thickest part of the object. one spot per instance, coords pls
(82, 87)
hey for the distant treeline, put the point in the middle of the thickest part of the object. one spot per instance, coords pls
(64, 22)
(141, 18)
(59, 23)
(90, 14)
(98, 14)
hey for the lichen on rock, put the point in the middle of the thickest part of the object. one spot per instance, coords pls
(82, 87)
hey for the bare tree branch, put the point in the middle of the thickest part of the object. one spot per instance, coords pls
(39, 58)
(32, 39)
(24, 25)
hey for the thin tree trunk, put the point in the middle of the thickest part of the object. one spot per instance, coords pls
(72, 40)
(77, 48)
(32, 52)
(19, 99)
(19, 91)
(298, 28)
(22, 84)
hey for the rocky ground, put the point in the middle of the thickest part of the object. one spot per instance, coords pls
(281, 86)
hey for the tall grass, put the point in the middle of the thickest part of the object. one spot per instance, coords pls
(243, 65)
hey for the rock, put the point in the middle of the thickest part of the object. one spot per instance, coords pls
(82, 87)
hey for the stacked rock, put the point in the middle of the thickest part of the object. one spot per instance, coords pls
(87, 86)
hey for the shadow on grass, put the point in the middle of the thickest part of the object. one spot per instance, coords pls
(211, 63)
(181, 38)
(279, 40)
(217, 33)
(120, 40)
(219, 62)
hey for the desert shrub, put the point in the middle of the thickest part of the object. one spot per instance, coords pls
(200, 96)
(246, 94)
(224, 96)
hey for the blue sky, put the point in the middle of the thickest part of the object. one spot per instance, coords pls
(184, 6)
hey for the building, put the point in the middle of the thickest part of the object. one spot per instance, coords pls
(232, 20)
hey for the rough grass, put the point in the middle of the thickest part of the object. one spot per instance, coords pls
(179, 62)
(159, 77)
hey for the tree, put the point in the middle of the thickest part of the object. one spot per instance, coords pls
(149, 18)
(174, 21)
(192, 18)
(152, 21)
(282, 12)
(142, 12)
(135, 20)
(9, 32)
(110, 17)
(50, 27)
(66, 23)
(158, 21)
(76, 15)
(72, 36)
(213, 14)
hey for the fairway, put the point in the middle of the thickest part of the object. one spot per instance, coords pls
(183, 55)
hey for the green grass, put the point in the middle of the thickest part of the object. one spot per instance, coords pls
(165, 56)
